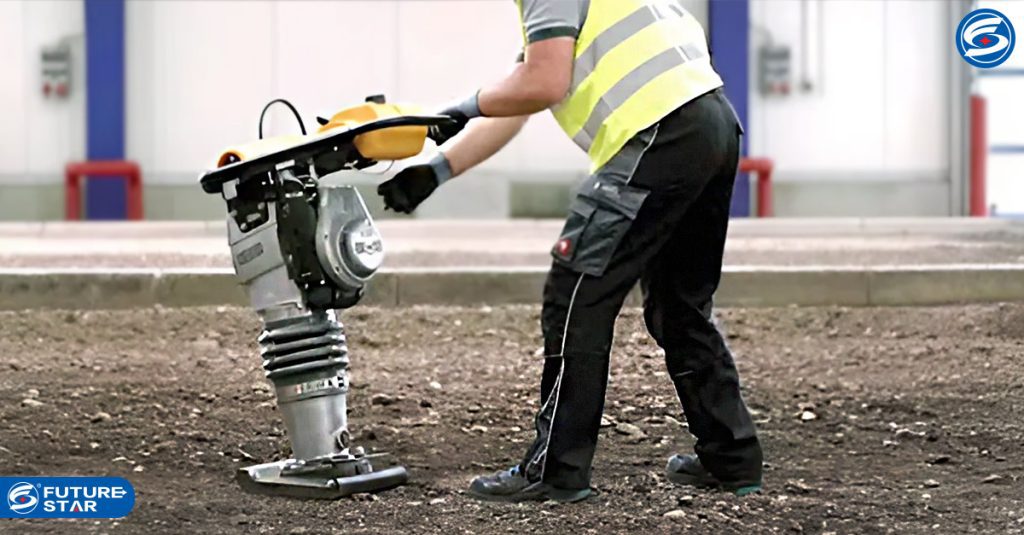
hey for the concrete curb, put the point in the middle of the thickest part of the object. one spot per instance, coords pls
(749, 286)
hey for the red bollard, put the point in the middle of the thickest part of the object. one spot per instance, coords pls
(74, 172)
(763, 167)
(979, 156)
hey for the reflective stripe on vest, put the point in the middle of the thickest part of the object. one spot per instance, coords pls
(635, 62)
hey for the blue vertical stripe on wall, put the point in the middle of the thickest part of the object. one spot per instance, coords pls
(729, 22)
(105, 108)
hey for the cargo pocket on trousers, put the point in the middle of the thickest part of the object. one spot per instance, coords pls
(599, 218)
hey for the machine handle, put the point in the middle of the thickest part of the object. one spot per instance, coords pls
(336, 141)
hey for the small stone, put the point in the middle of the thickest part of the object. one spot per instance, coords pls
(100, 417)
(29, 402)
(674, 421)
(138, 468)
(797, 486)
(994, 478)
(931, 484)
(94, 445)
(675, 514)
(807, 416)
(32, 393)
(437, 501)
(685, 501)
(206, 344)
(941, 459)
(607, 421)
(907, 433)
(628, 429)
(479, 428)
(435, 385)
(382, 399)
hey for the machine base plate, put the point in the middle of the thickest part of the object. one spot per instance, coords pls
(267, 479)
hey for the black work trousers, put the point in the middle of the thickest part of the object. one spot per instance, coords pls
(657, 213)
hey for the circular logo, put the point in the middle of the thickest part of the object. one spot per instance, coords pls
(985, 38)
(22, 498)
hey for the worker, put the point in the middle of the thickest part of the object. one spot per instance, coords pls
(632, 83)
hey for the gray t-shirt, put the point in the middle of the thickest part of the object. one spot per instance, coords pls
(545, 19)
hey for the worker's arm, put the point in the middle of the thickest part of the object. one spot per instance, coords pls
(483, 140)
(543, 77)
(540, 80)
(414, 184)
(537, 83)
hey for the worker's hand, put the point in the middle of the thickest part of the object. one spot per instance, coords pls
(441, 133)
(460, 115)
(409, 188)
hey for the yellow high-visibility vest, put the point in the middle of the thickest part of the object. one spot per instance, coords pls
(635, 62)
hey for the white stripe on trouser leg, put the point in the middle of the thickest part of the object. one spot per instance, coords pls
(542, 455)
(558, 382)
(636, 166)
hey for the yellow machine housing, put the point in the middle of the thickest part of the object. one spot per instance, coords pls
(384, 144)
(394, 143)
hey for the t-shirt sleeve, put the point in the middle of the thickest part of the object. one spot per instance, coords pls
(544, 19)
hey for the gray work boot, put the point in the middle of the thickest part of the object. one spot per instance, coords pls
(687, 470)
(512, 486)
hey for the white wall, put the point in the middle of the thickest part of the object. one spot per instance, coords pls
(880, 108)
(38, 135)
(200, 72)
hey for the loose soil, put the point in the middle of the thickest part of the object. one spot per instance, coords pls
(895, 420)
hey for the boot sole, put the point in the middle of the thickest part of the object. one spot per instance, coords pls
(535, 495)
(707, 482)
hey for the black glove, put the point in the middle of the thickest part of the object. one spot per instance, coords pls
(409, 188)
(460, 115)
(441, 133)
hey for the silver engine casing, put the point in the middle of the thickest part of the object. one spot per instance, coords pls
(348, 243)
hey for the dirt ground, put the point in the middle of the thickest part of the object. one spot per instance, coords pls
(896, 420)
